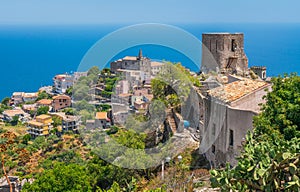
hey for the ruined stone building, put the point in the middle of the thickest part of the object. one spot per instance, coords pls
(227, 102)
(224, 52)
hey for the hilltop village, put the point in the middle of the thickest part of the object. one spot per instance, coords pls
(215, 115)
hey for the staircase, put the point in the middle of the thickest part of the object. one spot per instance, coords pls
(171, 121)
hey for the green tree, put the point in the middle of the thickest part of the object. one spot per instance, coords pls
(57, 121)
(84, 105)
(61, 177)
(69, 91)
(42, 110)
(5, 101)
(14, 120)
(69, 111)
(282, 110)
(172, 84)
(93, 71)
(132, 139)
(43, 95)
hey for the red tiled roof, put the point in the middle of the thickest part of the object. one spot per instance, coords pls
(61, 97)
(235, 90)
(101, 115)
(45, 102)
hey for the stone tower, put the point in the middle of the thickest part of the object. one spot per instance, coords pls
(224, 53)
(260, 71)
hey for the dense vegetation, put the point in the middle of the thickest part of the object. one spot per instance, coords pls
(173, 84)
(270, 159)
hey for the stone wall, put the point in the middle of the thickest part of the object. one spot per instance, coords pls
(227, 50)
(221, 122)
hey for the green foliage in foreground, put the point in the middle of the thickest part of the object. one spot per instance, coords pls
(61, 178)
(263, 166)
(270, 160)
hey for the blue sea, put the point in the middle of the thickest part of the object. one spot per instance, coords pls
(31, 55)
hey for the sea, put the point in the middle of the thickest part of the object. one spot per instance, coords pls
(30, 56)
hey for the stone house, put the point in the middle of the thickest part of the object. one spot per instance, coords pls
(44, 102)
(17, 98)
(228, 115)
(60, 102)
(9, 114)
(30, 97)
(101, 120)
(156, 67)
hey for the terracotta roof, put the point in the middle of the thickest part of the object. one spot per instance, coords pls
(101, 115)
(33, 122)
(61, 97)
(235, 90)
(43, 116)
(45, 102)
(13, 112)
(61, 76)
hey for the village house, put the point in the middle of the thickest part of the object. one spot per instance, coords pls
(101, 120)
(30, 97)
(227, 102)
(44, 102)
(228, 115)
(134, 77)
(62, 82)
(69, 122)
(156, 67)
(122, 87)
(29, 107)
(22, 97)
(60, 102)
(17, 98)
(8, 115)
(41, 126)
(77, 75)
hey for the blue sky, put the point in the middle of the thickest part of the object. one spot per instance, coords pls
(134, 11)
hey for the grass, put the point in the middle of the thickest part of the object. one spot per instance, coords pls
(18, 130)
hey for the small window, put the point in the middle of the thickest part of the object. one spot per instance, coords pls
(231, 137)
(264, 75)
(214, 129)
(213, 149)
(233, 45)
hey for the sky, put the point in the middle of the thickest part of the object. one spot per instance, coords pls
(62, 12)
